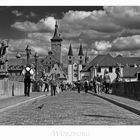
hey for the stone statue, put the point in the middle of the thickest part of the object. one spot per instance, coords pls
(3, 49)
(3, 55)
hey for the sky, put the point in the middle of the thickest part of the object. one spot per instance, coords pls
(100, 29)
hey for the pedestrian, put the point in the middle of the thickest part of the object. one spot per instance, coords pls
(46, 82)
(86, 85)
(53, 87)
(98, 84)
(94, 84)
(101, 84)
(62, 86)
(107, 81)
(78, 84)
(28, 73)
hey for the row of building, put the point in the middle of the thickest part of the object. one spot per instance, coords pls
(52, 63)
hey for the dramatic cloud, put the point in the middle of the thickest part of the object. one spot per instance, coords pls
(31, 15)
(128, 17)
(126, 43)
(114, 29)
(17, 13)
(46, 24)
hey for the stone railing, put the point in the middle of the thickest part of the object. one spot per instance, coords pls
(11, 88)
(127, 89)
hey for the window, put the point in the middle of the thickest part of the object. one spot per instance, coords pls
(55, 68)
(99, 69)
(110, 69)
(80, 57)
(70, 62)
(69, 57)
(138, 76)
(80, 62)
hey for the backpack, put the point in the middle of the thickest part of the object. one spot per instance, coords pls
(28, 74)
(86, 83)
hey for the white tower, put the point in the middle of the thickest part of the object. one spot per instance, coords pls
(80, 62)
(70, 65)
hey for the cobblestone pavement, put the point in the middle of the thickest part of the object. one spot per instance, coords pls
(69, 108)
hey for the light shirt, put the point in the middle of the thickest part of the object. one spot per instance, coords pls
(28, 69)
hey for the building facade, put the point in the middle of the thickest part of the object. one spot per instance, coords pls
(74, 68)
(129, 67)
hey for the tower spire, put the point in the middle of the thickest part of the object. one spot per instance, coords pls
(70, 53)
(56, 30)
(81, 50)
(56, 36)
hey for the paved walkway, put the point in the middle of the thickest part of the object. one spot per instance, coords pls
(69, 108)
(10, 102)
(129, 104)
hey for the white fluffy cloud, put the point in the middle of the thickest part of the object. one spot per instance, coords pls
(102, 45)
(112, 29)
(126, 43)
(46, 24)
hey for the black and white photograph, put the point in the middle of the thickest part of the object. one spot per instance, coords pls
(69, 65)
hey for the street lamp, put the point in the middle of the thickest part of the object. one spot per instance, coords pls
(36, 58)
(28, 52)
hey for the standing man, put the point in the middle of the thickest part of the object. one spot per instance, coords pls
(46, 84)
(107, 81)
(86, 86)
(27, 72)
(78, 86)
(53, 86)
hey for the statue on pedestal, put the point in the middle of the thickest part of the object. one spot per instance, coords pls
(3, 57)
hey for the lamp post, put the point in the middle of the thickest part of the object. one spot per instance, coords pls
(28, 52)
(36, 58)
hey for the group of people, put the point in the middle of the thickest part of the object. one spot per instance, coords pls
(98, 84)
(45, 83)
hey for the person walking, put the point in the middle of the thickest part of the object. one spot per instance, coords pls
(53, 87)
(78, 86)
(46, 84)
(94, 84)
(86, 86)
(27, 72)
(107, 81)
(98, 84)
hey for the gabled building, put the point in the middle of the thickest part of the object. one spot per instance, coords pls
(129, 67)
(59, 73)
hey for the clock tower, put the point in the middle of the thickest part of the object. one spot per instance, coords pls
(56, 45)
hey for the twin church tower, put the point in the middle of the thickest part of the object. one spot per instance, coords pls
(73, 69)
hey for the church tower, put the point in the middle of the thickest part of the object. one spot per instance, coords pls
(80, 61)
(70, 65)
(56, 45)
